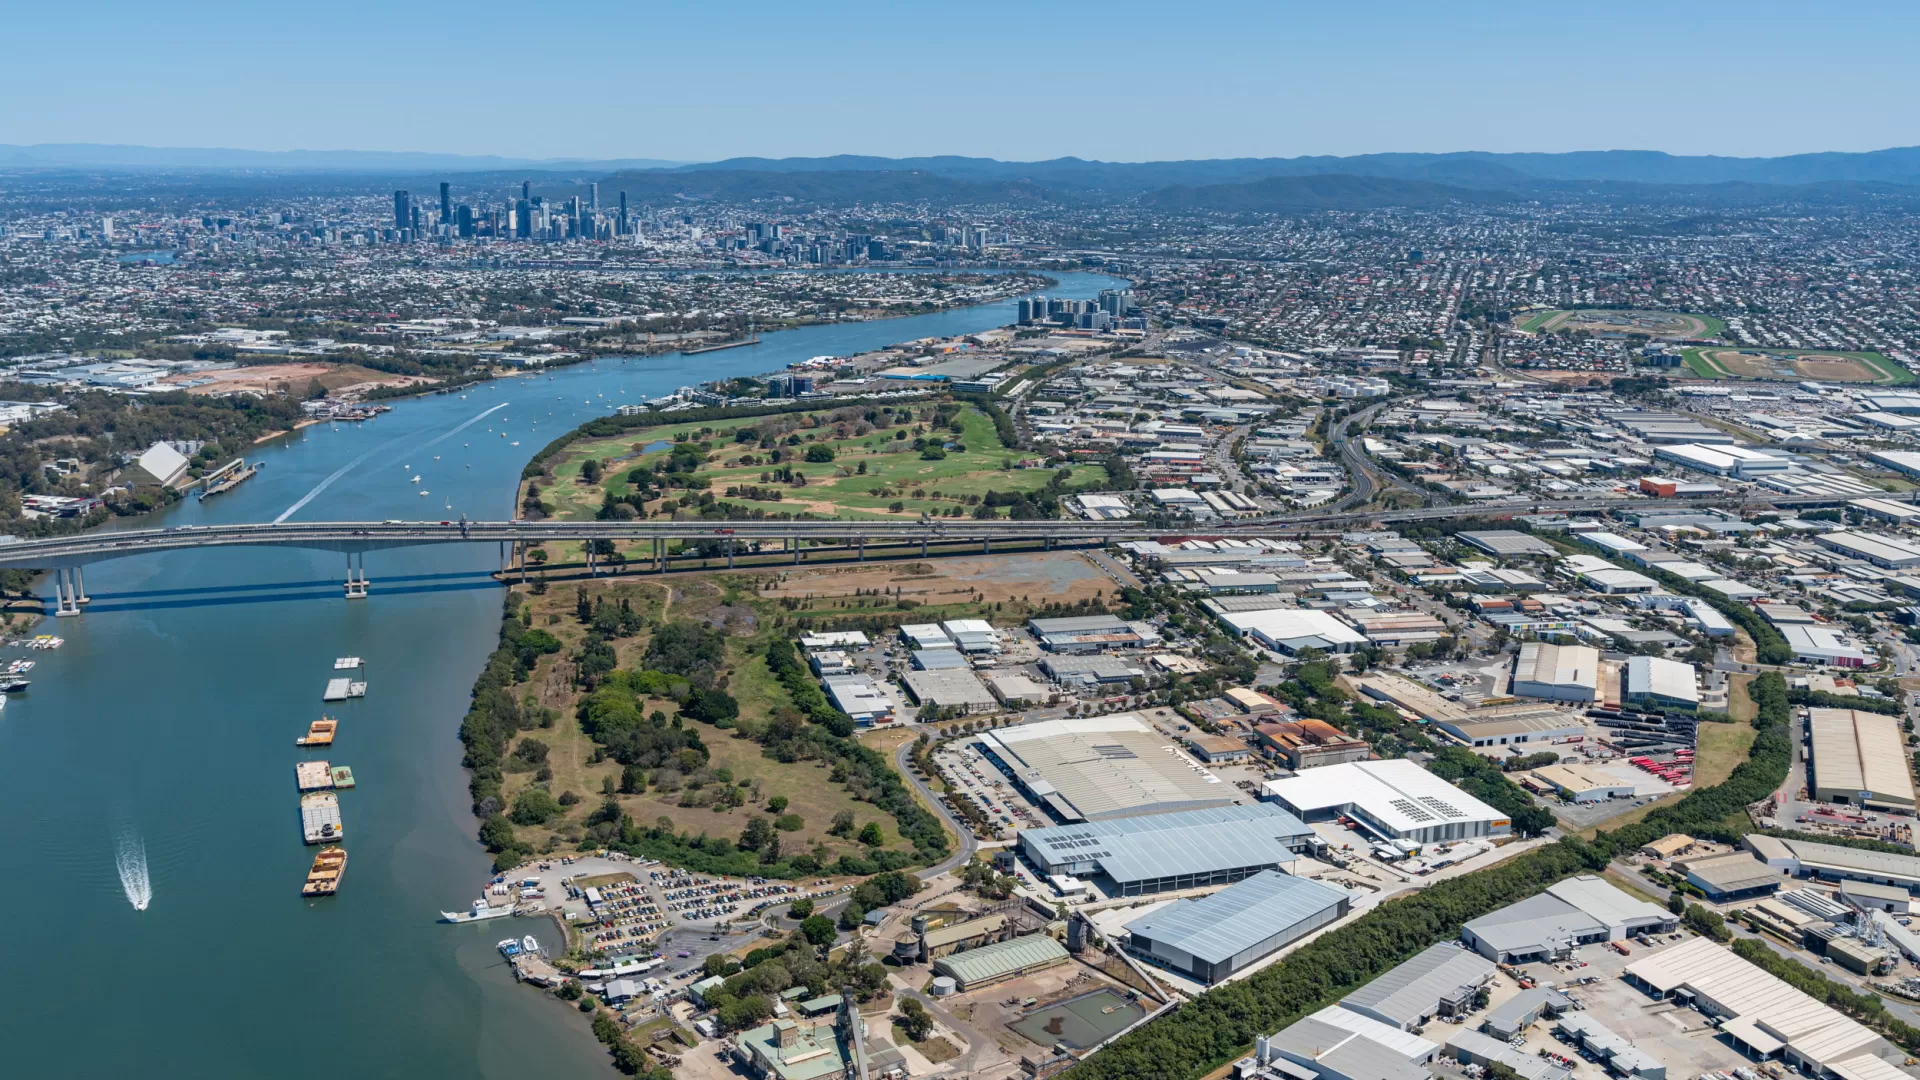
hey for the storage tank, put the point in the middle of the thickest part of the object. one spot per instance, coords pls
(1076, 934)
(944, 986)
(906, 948)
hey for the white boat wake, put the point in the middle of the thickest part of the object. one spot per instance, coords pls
(131, 858)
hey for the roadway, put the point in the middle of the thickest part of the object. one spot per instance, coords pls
(361, 536)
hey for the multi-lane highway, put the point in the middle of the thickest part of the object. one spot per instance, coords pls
(362, 536)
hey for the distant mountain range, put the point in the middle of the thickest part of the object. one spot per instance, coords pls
(1226, 184)
(101, 155)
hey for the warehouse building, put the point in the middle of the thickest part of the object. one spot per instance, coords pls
(1557, 672)
(1518, 1013)
(1655, 684)
(1404, 693)
(946, 689)
(1815, 644)
(1219, 749)
(1859, 758)
(1503, 727)
(1473, 1048)
(1583, 785)
(1734, 875)
(1097, 767)
(1891, 552)
(1090, 670)
(1831, 862)
(925, 636)
(1217, 936)
(1578, 911)
(1338, 1044)
(1001, 961)
(1765, 1016)
(1440, 981)
(1136, 856)
(939, 659)
(1601, 1044)
(1310, 744)
(1091, 634)
(1395, 798)
(1506, 542)
(972, 636)
(1290, 630)
(859, 698)
(1017, 691)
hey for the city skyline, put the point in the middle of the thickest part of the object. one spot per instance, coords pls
(681, 85)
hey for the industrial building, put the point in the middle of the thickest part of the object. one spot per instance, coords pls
(1097, 767)
(1514, 726)
(1090, 670)
(1619, 1055)
(1473, 1048)
(1557, 672)
(790, 1050)
(859, 698)
(1860, 759)
(1518, 1013)
(1016, 690)
(1506, 542)
(1439, 981)
(1734, 875)
(1290, 630)
(925, 636)
(949, 689)
(1310, 744)
(1395, 798)
(939, 658)
(1890, 552)
(1765, 1016)
(1190, 849)
(1403, 693)
(1816, 644)
(1831, 862)
(1001, 961)
(1338, 1044)
(1578, 911)
(1219, 749)
(1583, 785)
(972, 636)
(1655, 684)
(1217, 936)
(1091, 633)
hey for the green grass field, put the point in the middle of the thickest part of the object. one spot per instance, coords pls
(1889, 372)
(1712, 327)
(895, 473)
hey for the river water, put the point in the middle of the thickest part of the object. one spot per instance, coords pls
(154, 755)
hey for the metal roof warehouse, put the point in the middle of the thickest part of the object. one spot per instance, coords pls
(1216, 936)
(1395, 797)
(1183, 850)
(1101, 767)
(1765, 1014)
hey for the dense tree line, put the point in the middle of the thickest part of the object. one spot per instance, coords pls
(1821, 699)
(493, 718)
(1483, 780)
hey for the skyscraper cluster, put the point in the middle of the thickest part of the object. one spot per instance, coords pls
(529, 217)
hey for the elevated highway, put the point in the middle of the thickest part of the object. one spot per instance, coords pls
(68, 555)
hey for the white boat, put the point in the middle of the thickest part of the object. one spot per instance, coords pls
(529, 945)
(479, 912)
(508, 947)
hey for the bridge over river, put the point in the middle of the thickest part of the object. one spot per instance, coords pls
(67, 556)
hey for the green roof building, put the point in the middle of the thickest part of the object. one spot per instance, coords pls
(1001, 960)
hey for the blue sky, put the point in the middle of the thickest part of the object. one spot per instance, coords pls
(1120, 81)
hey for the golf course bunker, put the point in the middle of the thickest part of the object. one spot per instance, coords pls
(1793, 365)
(1081, 1022)
(1652, 324)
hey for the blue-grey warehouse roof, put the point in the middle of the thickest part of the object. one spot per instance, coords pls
(1221, 926)
(1175, 844)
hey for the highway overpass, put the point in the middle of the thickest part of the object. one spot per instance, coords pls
(68, 555)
